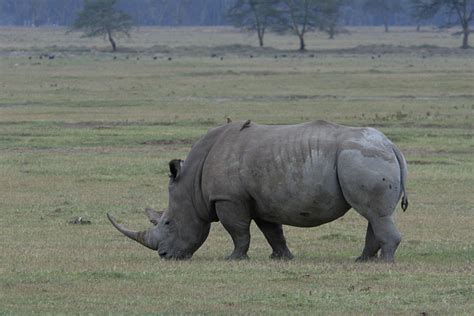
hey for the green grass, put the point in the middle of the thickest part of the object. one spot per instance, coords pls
(84, 134)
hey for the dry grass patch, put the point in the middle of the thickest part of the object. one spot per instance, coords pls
(85, 134)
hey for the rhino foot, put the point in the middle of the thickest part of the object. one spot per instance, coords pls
(281, 256)
(236, 257)
(367, 258)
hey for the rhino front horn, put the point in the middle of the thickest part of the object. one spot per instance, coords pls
(144, 237)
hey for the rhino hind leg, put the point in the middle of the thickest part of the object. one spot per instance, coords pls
(372, 246)
(388, 236)
(371, 185)
(274, 235)
(236, 220)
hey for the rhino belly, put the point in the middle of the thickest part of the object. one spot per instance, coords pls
(303, 199)
(302, 213)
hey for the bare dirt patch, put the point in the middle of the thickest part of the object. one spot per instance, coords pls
(168, 142)
(163, 52)
(424, 162)
(109, 125)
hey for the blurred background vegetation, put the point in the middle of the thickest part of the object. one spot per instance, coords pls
(296, 16)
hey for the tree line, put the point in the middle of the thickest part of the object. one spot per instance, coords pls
(301, 16)
(106, 17)
(143, 12)
(195, 12)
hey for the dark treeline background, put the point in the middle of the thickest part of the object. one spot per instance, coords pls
(179, 13)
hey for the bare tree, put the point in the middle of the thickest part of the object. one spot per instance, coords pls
(100, 18)
(383, 9)
(298, 17)
(330, 14)
(463, 10)
(253, 15)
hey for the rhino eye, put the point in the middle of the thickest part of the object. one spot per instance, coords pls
(167, 222)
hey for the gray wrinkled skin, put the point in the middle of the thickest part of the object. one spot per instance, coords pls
(300, 175)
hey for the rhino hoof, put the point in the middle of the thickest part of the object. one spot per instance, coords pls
(367, 259)
(236, 257)
(281, 256)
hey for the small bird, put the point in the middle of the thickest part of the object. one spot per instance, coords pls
(229, 120)
(246, 124)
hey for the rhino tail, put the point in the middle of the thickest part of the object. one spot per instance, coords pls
(403, 176)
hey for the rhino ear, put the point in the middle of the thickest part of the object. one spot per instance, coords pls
(175, 168)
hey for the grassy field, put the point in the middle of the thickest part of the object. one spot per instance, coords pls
(84, 133)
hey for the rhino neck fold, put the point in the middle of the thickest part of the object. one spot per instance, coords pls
(194, 164)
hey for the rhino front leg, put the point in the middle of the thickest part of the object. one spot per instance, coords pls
(236, 220)
(372, 246)
(274, 235)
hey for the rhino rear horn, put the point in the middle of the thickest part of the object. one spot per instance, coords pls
(153, 215)
(144, 237)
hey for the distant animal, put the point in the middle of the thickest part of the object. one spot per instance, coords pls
(301, 175)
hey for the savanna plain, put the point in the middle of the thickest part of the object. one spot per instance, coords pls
(89, 131)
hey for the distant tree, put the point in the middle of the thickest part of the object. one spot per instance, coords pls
(383, 9)
(330, 15)
(100, 18)
(463, 10)
(253, 15)
(298, 17)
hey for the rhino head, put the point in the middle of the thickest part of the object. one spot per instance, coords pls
(177, 232)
